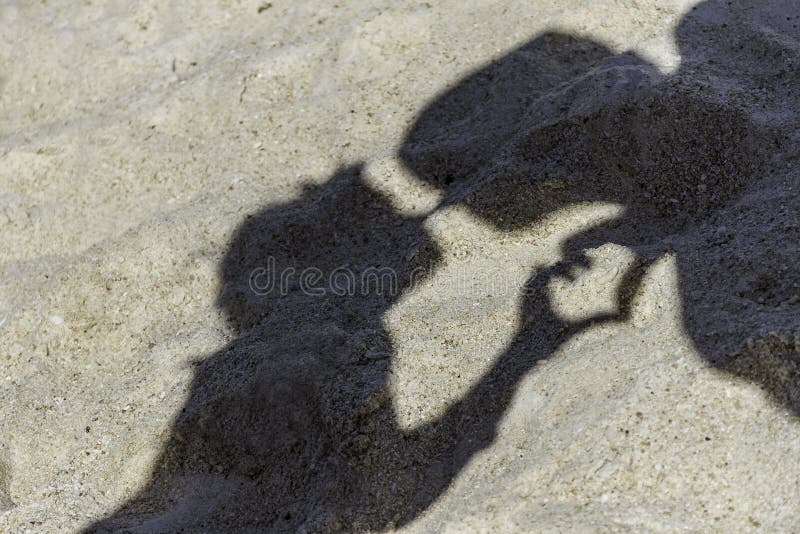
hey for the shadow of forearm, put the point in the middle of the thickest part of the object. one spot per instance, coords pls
(471, 424)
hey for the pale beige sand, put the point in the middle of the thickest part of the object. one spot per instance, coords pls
(149, 153)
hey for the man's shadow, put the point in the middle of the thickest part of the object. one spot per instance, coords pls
(292, 425)
(697, 177)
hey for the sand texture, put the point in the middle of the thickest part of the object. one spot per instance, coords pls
(450, 266)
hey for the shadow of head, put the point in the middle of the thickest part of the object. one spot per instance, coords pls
(340, 248)
(563, 120)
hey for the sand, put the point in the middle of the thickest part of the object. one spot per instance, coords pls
(566, 236)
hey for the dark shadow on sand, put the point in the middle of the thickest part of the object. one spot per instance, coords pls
(292, 425)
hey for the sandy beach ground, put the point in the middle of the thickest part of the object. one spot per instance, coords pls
(591, 208)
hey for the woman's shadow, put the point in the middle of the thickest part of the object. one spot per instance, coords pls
(292, 426)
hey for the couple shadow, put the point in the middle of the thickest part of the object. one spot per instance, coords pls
(291, 426)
